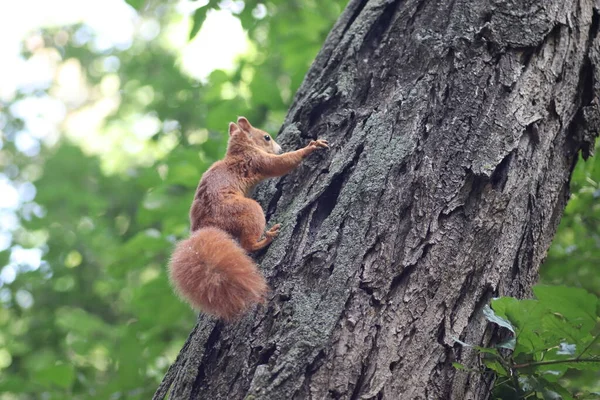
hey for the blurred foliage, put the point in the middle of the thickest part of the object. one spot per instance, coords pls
(574, 258)
(97, 319)
(552, 349)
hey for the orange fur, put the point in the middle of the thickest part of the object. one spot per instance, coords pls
(215, 275)
(210, 269)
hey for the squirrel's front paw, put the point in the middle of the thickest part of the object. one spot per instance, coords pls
(319, 144)
(273, 232)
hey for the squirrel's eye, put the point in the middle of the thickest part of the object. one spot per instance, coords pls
(267, 138)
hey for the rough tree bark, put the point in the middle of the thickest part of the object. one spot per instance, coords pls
(454, 128)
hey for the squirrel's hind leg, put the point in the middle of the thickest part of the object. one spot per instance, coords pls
(252, 225)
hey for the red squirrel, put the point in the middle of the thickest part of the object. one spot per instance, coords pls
(211, 269)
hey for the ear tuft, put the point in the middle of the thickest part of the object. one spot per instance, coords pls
(244, 124)
(233, 128)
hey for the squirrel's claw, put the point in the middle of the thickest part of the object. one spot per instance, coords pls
(320, 143)
(274, 231)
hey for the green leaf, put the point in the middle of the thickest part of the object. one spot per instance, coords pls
(553, 388)
(223, 112)
(184, 174)
(14, 384)
(487, 350)
(218, 77)
(155, 304)
(264, 91)
(504, 390)
(129, 351)
(575, 304)
(496, 366)
(197, 20)
(61, 375)
(530, 383)
(459, 366)
(584, 365)
(139, 251)
(561, 329)
(525, 316)
(492, 317)
(548, 390)
(137, 4)
(72, 319)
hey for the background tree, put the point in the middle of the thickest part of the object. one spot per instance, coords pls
(455, 128)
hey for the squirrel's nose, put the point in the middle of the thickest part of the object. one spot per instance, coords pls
(277, 148)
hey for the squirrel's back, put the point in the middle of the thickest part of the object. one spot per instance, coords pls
(221, 183)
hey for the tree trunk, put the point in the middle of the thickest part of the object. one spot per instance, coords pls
(454, 128)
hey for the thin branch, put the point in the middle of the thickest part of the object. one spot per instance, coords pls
(515, 382)
(504, 381)
(568, 360)
(588, 346)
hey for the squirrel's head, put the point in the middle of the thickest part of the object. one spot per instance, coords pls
(259, 139)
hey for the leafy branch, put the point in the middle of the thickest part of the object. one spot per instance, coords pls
(588, 346)
(565, 361)
(542, 332)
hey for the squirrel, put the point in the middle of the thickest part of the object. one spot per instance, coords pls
(211, 269)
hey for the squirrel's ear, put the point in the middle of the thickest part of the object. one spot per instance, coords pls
(244, 124)
(233, 128)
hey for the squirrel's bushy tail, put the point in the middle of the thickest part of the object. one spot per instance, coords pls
(215, 275)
